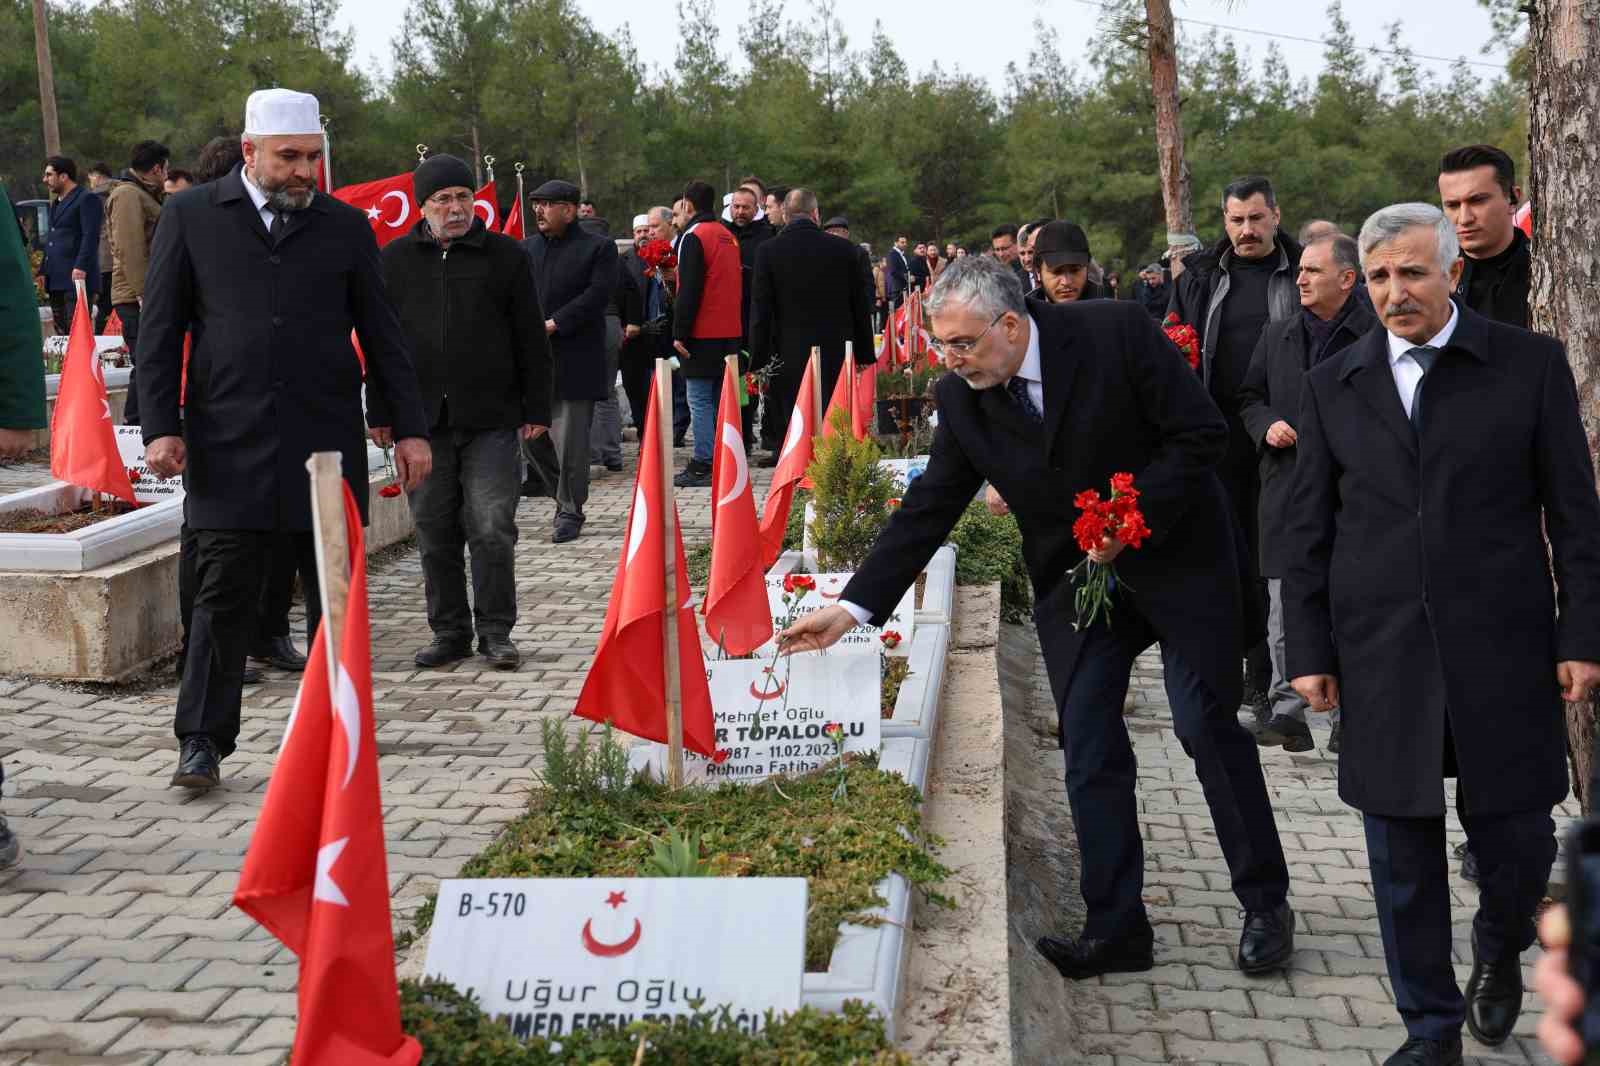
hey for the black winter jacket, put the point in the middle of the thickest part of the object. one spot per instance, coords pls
(475, 327)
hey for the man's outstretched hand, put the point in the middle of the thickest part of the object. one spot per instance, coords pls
(817, 630)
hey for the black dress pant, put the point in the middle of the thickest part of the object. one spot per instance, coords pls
(227, 578)
(1411, 887)
(102, 303)
(1102, 771)
(128, 315)
(277, 589)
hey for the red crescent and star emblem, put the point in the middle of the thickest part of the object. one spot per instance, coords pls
(600, 948)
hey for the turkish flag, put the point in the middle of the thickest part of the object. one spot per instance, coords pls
(514, 226)
(486, 204)
(83, 439)
(793, 458)
(627, 685)
(316, 875)
(738, 618)
(866, 407)
(389, 203)
(1523, 218)
(845, 400)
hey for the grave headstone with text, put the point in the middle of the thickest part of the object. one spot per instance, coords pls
(829, 587)
(147, 488)
(550, 956)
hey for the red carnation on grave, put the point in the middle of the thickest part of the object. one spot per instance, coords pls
(891, 639)
(798, 583)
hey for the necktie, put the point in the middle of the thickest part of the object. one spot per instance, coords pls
(1424, 357)
(1018, 388)
(280, 222)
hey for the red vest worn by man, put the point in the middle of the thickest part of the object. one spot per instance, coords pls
(717, 316)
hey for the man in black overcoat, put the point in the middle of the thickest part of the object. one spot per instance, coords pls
(1046, 401)
(269, 277)
(575, 272)
(812, 289)
(1435, 457)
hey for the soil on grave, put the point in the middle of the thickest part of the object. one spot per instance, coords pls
(32, 520)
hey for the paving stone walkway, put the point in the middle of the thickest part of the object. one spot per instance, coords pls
(1334, 1006)
(118, 942)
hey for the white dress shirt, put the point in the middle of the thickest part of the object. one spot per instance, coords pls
(1030, 371)
(258, 198)
(1405, 368)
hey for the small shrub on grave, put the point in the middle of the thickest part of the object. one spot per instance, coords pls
(851, 495)
(453, 1031)
(989, 549)
(576, 768)
(794, 830)
(794, 527)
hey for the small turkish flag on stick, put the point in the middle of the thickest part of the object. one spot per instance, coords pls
(793, 458)
(738, 617)
(316, 874)
(627, 685)
(83, 440)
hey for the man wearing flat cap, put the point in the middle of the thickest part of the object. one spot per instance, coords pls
(575, 272)
(467, 304)
(269, 276)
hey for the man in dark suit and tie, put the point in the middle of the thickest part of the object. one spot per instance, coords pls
(1435, 457)
(1045, 401)
(269, 277)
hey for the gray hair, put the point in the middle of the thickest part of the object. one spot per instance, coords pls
(799, 202)
(979, 283)
(1388, 223)
(1346, 256)
(660, 214)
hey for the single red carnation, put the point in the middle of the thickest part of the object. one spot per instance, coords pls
(389, 492)
(1122, 484)
(1089, 530)
(1086, 500)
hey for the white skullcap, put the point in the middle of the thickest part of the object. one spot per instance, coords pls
(281, 113)
(640, 220)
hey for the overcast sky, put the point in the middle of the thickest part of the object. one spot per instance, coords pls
(951, 32)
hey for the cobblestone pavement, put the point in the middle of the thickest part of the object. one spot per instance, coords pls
(118, 943)
(25, 473)
(1334, 1004)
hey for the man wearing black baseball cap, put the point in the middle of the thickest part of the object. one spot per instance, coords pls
(1061, 256)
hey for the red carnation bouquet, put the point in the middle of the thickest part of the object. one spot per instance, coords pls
(656, 254)
(1184, 336)
(1117, 517)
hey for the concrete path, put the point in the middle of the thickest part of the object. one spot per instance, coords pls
(118, 943)
(1334, 1005)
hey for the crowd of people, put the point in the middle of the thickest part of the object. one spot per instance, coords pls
(1318, 545)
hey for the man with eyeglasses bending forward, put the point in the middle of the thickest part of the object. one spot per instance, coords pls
(1045, 401)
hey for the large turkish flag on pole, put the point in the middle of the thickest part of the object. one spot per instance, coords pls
(83, 440)
(316, 874)
(793, 458)
(627, 684)
(389, 204)
(738, 618)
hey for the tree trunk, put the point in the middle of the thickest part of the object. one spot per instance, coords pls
(1563, 130)
(47, 80)
(1169, 124)
(477, 156)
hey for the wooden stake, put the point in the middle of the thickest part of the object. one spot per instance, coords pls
(816, 392)
(669, 554)
(333, 553)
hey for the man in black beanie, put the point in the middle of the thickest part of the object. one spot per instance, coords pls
(468, 306)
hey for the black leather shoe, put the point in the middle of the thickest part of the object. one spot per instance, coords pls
(279, 652)
(567, 529)
(1284, 732)
(251, 676)
(1267, 941)
(1469, 862)
(1419, 1052)
(1494, 996)
(199, 766)
(614, 465)
(501, 653)
(442, 652)
(1091, 956)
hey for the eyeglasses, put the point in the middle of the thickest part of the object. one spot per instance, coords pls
(961, 349)
(444, 199)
